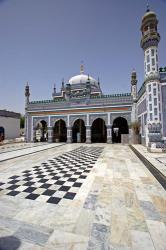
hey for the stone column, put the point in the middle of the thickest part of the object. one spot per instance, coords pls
(109, 133)
(88, 134)
(69, 135)
(50, 134)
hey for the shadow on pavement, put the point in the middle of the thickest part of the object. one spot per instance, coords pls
(9, 243)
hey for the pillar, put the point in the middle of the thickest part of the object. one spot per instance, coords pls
(88, 134)
(50, 134)
(69, 135)
(109, 134)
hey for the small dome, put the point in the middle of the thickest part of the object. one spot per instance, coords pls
(82, 78)
(148, 14)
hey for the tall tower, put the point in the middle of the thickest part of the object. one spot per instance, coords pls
(27, 95)
(134, 95)
(149, 43)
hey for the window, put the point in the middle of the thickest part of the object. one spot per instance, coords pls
(156, 57)
(151, 117)
(154, 84)
(149, 87)
(148, 67)
(155, 101)
(145, 119)
(154, 91)
(159, 106)
(152, 26)
(150, 97)
(148, 58)
(152, 52)
(153, 62)
(155, 111)
(150, 107)
(146, 28)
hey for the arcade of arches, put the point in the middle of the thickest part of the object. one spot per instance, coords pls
(98, 132)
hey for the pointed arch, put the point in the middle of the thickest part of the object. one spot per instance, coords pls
(119, 127)
(60, 131)
(79, 131)
(41, 133)
(98, 131)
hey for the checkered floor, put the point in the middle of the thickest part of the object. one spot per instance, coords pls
(56, 179)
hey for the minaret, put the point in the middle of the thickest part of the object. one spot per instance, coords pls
(134, 85)
(63, 85)
(54, 90)
(27, 95)
(63, 88)
(149, 43)
(81, 68)
(98, 81)
(134, 95)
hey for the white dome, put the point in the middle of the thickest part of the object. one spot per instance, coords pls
(82, 78)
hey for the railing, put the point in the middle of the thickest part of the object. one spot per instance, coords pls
(61, 100)
(47, 101)
(113, 95)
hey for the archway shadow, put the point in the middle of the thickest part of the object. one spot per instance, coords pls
(121, 124)
(9, 243)
(79, 128)
(98, 131)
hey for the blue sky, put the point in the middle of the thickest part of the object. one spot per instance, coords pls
(43, 41)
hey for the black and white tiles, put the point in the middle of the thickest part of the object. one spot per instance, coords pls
(56, 179)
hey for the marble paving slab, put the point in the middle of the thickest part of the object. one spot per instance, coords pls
(118, 206)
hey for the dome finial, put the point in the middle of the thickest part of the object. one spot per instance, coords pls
(98, 81)
(147, 7)
(82, 68)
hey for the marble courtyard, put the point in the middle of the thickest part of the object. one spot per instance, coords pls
(79, 196)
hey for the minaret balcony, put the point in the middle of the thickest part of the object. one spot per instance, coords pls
(151, 39)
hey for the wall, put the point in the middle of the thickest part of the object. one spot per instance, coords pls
(142, 113)
(108, 117)
(11, 126)
(163, 89)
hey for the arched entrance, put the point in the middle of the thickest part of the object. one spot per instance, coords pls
(2, 134)
(98, 131)
(41, 133)
(60, 131)
(79, 131)
(119, 127)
